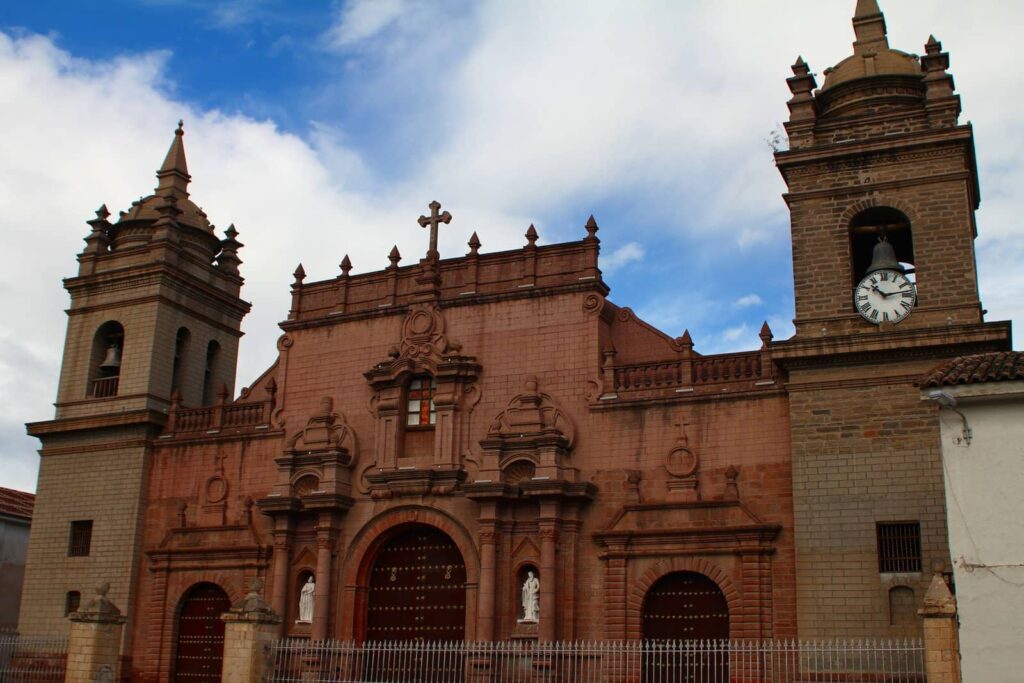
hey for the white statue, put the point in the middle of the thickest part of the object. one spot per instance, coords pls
(531, 599)
(306, 602)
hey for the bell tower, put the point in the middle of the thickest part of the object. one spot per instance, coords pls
(882, 191)
(155, 313)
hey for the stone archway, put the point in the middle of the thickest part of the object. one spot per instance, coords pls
(199, 634)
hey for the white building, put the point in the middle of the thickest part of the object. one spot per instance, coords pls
(981, 401)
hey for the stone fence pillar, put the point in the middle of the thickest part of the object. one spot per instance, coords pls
(94, 644)
(250, 628)
(941, 641)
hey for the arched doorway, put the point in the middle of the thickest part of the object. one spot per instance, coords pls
(686, 606)
(200, 642)
(417, 588)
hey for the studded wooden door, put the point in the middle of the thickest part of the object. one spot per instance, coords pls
(417, 588)
(686, 606)
(200, 645)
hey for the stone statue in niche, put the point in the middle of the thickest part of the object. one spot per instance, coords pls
(531, 599)
(306, 602)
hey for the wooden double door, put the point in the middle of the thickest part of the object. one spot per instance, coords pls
(417, 593)
(690, 607)
(199, 650)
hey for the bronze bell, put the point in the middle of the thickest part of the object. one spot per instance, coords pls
(112, 362)
(884, 256)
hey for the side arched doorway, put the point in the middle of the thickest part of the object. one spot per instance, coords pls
(686, 606)
(199, 651)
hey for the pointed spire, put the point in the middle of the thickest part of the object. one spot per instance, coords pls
(300, 274)
(869, 27)
(866, 8)
(394, 257)
(591, 228)
(685, 342)
(173, 176)
(103, 213)
(474, 244)
(531, 236)
(345, 265)
(765, 334)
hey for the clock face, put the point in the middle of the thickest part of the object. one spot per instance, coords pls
(885, 296)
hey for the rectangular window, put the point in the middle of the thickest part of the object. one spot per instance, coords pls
(899, 547)
(419, 407)
(81, 538)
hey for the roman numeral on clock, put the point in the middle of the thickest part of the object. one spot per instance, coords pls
(865, 308)
(905, 305)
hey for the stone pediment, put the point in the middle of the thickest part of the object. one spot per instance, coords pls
(532, 415)
(727, 525)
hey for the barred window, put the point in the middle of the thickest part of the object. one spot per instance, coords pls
(81, 538)
(899, 547)
(420, 403)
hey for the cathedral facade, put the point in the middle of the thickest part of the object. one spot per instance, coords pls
(486, 447)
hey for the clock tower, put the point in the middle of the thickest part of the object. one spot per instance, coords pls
(882, 191)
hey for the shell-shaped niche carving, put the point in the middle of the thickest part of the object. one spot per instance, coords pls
(324, 431)
(518, 471)
(305, 485)
(531, 414)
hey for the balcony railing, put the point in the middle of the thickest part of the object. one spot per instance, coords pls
(223, 415)
(694, 371)
(105, 387)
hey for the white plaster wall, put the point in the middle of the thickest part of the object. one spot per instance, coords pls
(985, 510)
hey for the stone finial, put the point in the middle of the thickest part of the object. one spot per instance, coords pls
(99, 608)
(300, 274)
(938, 600)
(394, 257)
(685, 342)
(103, 213)
(766, 335)
(227, 259)
(253, 607)
(869, 27)
(591, 228)
(531, 236)
(345, 265)
(474, 244)
(732, 491)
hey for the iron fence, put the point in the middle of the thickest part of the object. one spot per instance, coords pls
(32, 659)
(683, 661)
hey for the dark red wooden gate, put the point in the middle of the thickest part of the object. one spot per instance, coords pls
(686, 606)
(417, 592)
(200, 646)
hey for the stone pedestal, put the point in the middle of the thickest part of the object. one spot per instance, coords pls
(250, 628)
(941, 641)
(94, 644)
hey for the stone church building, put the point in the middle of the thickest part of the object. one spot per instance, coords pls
(432, 433)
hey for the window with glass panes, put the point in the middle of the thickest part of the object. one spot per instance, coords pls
(420, 402)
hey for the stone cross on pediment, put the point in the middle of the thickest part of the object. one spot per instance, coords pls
(433, 221)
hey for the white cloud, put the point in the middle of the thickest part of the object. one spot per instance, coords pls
(361, 20)
(748, 301)
(631, 252)
(527, 108)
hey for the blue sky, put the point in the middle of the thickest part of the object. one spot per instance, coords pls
(325, 128)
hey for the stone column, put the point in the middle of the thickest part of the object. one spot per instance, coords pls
(322, 597)
(250, 628)
(94, 644)
(279, 595)
(488, 567)
(941, 641)
(546, 629)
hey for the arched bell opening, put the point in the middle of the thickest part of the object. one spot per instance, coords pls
(210, 372)
(178, 368)
(879, 224)
(105, 360)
